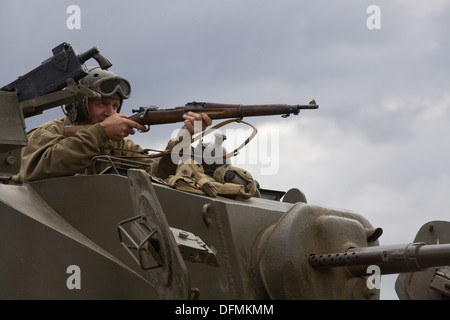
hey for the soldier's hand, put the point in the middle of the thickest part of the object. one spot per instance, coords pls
(118, 126)
(196, 122)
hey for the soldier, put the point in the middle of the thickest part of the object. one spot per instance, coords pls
(50, 154)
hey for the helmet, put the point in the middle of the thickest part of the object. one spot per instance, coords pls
(105, 82)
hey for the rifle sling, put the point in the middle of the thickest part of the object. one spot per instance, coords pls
(198, 137)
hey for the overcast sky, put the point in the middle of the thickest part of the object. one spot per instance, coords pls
(379, 143)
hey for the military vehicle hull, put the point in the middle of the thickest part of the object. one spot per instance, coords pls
(51, 226)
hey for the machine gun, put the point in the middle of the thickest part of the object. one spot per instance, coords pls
(423, 265)
(52, 84)
(64, 68)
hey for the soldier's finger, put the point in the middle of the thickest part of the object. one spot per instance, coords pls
(206, 119)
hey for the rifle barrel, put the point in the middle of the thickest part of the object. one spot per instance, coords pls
(152, 115)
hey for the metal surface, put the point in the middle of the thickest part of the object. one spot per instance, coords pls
(193, 249)
(171, 279)
(432, 283)
(13, 134)
(39, 245)
(284, 251)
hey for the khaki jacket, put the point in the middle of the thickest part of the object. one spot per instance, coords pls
(50, 154)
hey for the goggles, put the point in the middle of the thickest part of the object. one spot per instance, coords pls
(113, 87)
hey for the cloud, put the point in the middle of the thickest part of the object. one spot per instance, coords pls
(394, 178)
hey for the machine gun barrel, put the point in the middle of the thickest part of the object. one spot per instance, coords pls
(391, 259)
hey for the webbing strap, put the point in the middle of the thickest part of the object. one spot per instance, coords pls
(198, 137)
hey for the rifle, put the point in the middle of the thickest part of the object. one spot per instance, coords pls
(153, 115)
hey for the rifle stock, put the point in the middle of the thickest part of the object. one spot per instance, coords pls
(153, 115)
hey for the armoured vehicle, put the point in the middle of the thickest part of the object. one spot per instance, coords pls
(143, 240)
